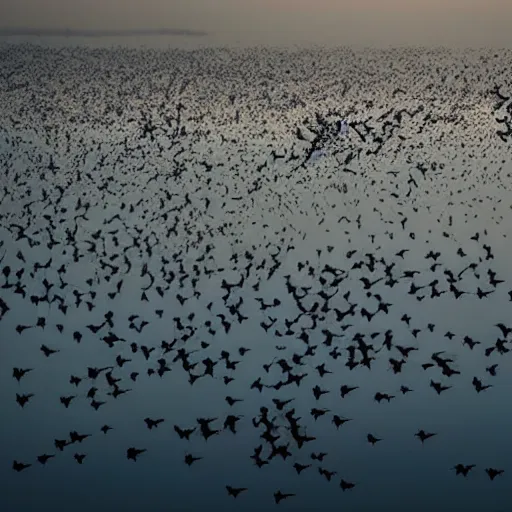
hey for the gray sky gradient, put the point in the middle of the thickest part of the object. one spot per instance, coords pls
(453, 22)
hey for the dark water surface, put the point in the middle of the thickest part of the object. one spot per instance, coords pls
(97, 171)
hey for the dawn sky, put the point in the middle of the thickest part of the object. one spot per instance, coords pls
(466, 22)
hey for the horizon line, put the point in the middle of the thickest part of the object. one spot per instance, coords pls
(67, 32)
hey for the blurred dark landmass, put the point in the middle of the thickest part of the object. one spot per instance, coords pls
(58, 32)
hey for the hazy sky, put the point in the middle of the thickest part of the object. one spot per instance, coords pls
(473, 22)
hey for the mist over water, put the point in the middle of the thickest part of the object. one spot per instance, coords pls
(189, 162)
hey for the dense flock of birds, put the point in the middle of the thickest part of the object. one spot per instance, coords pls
(162, 209)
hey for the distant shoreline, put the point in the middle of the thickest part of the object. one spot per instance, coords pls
(28, 31)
